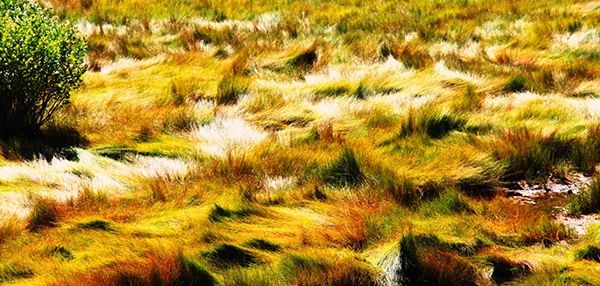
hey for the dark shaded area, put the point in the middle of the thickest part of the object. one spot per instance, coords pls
(45, 213)
(51, 142)
(96, 225)
(219, 214)
(14, 271)
(591, 252)
(506, 269)
(344, 171)
(426, 260)
(262, 244)
(60, 251)
(226, 255)
(126, 154)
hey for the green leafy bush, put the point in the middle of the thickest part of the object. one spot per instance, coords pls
(41, 61)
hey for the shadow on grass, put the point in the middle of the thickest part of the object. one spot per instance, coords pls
(51, 142)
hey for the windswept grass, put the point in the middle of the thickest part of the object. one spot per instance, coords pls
(313, 143)
(588, 200)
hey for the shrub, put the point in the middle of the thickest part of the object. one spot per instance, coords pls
(41, 61)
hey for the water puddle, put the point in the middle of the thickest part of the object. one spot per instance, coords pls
(556, 196)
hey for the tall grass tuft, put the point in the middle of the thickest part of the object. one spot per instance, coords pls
(10, 226)
(230, 88)
(546, 231)
(344, 171)
(402, 190)
(585, 153)
(45, 213)
(505, 269)
(470, 100)
(13, 271)
(449, 202)
(529, 155)
(588, 200)
(156, 269)
(308, 269)
(425, 260)
(589, 252)
(228, 255)
(427, 121)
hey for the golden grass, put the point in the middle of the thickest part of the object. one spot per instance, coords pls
(253, 143)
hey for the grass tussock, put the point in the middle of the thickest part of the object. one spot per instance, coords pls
(589, 252)
(305, 269)
(290, 142)
(344, 171)
(14, 271)
(428, 122)
(423, 260)
(156, 269)
(45, 212)
(229, 255)
(529, 154)
(10, 226)
(588, 200)
(230, 88)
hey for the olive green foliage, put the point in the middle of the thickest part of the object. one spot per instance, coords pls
(41, 61)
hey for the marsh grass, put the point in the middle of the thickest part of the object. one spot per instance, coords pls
(427, 121)
(310, 143)
(10, 226)
(229, 255)
(547, 232)
(306, 269)
(529, 154)
(13, 271)
(425, 260)
(230, 88)
(343, 171)
(589, 252)
(505, 269)
(157, 269)
(45, 212)
(588, 200)
(449, 202)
